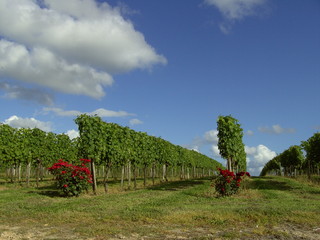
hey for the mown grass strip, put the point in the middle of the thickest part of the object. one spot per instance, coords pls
(169, 209)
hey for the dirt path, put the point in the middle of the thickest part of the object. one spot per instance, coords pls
(51, 233)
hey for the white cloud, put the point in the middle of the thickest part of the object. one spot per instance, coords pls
(42, 66)
(108, 113)
(211, 136)
(195, 149)
(276, 129)
(250, 150)
(257, 157)
(71, 46)
(135, 121)
(208, 138)
(73, 134)
(235, 10)
(249, 133)
(225, 27)
(29, 94)
(18, 122)
(215, 150)
(61, 112)
(101, 112)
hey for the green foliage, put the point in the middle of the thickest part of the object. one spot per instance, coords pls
(106, 144)
(230, 142)
(29, 148)
(114, 145)
(290, 159)
(92, 132)
(293, 158)
(312, 148)
(272, 166)
(7, 144)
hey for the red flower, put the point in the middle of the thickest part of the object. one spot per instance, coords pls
(85, 160)
(65, 186)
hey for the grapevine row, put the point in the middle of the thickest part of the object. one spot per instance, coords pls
(293, 160)
(112, 148)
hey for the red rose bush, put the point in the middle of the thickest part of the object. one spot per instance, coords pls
(228, 183)
(72, 179)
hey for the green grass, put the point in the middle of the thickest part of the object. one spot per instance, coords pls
(190, 209)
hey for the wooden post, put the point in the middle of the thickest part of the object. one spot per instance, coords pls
(94, 180)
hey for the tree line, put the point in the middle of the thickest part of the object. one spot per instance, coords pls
(297, 159)
(114, 150)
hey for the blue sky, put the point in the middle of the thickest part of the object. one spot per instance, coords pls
(168, 68)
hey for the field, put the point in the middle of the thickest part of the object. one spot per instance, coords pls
(269, 208)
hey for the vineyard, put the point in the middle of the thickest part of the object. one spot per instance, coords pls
(156, 190)
(116, 152)
(303, 159)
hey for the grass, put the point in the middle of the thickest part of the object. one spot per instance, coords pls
(269, 207)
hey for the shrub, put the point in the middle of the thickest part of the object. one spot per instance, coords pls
(72, 179)
(228, 183)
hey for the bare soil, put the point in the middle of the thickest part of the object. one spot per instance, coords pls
(51, 233)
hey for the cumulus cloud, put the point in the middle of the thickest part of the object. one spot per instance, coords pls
(29, 94)
(72, 134)
(135, 121)
(276, 129)
(257, 157)
(210, 137)
(235, 10)
(39, 65)
(215, 150)
(101, 112)
(71, 46)
(18, 122)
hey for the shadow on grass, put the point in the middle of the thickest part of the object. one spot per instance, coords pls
(22, 182)
(176, 185)
(269, 183)
(49, 191)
